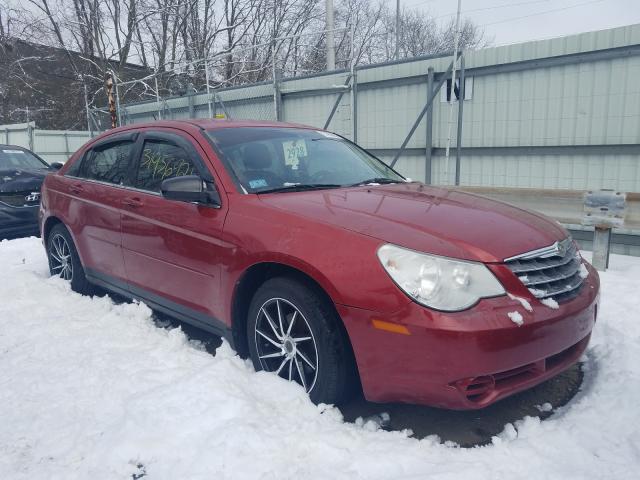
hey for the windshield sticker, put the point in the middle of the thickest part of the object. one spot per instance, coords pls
(293, 150)
(13, 151)
(261, 182)
(327, 134)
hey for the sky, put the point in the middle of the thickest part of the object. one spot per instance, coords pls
(514, 21)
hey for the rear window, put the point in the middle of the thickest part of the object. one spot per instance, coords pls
(109, 164)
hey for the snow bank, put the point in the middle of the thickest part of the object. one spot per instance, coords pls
(91, 390)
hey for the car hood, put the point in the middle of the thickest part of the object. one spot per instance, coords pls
(428, 219)
(21, 180)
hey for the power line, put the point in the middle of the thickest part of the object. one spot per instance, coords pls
(502, 5)
(422, 3)
(542, 13)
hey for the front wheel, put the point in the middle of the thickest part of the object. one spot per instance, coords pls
(64, 261)
(294, 332)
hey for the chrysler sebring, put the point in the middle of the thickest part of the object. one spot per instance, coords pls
(320, 263)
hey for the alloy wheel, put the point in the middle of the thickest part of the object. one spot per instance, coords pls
(60, 257)
(285, 343)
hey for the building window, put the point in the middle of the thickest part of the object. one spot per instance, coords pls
(445, 91)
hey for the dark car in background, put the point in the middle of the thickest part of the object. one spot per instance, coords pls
(21, 175)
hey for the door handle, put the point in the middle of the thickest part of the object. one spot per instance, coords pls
(132, 202)
(76, 188)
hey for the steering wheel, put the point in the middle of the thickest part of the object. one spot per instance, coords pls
(323, 176)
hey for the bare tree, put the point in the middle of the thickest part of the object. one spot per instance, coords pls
(164, 42)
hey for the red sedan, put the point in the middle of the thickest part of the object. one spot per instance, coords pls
(320, 262)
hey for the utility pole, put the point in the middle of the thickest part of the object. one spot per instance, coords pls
(452, 94)
(397, 54)
(331, 53)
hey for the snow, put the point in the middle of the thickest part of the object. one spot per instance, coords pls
(583, 272)
(545, 407)
(523, 301)
(550, 302)
(93, 389)
(516, 318)
(537, 292)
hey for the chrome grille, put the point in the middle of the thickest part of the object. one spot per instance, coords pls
(20, 199)
(552, 271)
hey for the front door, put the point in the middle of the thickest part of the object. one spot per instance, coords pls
(172, 249)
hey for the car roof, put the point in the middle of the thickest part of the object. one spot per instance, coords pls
(212, 124)
(200, 123)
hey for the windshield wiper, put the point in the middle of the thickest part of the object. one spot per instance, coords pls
(379, 180)
(300, 187)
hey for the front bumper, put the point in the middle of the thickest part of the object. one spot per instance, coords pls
(18, 221)
(470, 359)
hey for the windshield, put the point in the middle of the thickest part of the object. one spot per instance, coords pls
(15, 158)
(266, 159)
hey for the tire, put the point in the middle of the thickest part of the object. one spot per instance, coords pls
(314, 347)
(64, 261)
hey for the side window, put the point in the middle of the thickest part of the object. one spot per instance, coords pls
(109, 164)
(75, 168)
(161, 160)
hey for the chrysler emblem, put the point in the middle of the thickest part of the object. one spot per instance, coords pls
(561, 249)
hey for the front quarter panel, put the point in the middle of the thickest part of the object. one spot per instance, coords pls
(344, 263)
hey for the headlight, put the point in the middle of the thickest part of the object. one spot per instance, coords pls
(439, 282)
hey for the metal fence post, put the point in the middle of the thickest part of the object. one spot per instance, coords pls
(277, 96)
(66, 144)
(6, 135)
(158, 107)
(86, 107)
(460, 110)
(30, 135)
(601, 247)
(354, 89)
(429, 136)
(190, 103)
(206, 76)
(604, 210)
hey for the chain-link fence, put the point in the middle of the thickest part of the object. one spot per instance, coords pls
(216, 87)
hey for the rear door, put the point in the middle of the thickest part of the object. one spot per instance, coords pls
(172, 249)
(96, 186)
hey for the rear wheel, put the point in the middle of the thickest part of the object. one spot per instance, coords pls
(294, 333)
(64, 261)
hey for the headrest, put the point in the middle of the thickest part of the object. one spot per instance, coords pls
(256, 156)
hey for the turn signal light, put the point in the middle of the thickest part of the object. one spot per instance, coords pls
(390, 327)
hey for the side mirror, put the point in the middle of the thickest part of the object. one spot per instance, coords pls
(56, 165)
(189, 188)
